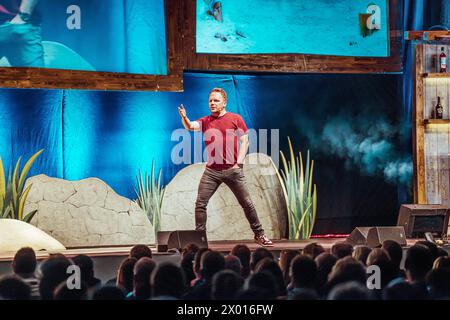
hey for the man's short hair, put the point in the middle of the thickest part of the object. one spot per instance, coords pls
(24, 261)
(221, 91)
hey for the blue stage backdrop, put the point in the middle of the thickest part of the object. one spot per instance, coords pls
(350, 124)
(328, 27)
(94, 35)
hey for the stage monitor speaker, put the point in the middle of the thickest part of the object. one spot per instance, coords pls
(178, 239)
(374, 236)
(420, 218)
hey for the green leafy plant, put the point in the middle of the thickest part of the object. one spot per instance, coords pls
(150, 193)
(12, 192)
(301, 194)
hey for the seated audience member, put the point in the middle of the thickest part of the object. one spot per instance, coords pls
(14, 288)
(243, 253)
(395, 251)
(379, 257)
(197, 262)
(125, 275)
(141, 281)
(341, 249)
(271, 266)
(303, 274)
(233, 263)
(350, 291)
(438, 283)
(139, 251)
(418, 263)
(168, 282)
(24, 266)
(108, 292)
(401, 289)
(313, 250)
(441, 262)
(286, 257)
(187, 264)
(434, 250)
(360, 253)
(53, 271)
(345, 270)
(87, 270)
(262, 282)
(258, 255)
(303, 294)
(211, 263)
(226, 284)
(190, 248)
(325, 263)
(63, 292)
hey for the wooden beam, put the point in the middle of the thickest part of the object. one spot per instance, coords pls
(418, 128)
(298, 63)
(427, 35)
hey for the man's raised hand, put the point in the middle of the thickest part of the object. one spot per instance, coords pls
(182, 111)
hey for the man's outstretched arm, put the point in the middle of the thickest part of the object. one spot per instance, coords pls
(243, 148)
(187, 124)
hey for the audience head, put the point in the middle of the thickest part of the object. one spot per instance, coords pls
(438, 282)
(341, 249)
(273, 268)
(142, 275)
(418, 262)
(303, 272)
(345, 270)
(380, 258)
(13, 288)
(434, 250)
(225, 285)
(265, 283)
(233, 263)
(190, 248)
(286, 257)
(441, 262)
(63, 292)
(211, 263)
(168, 281)
(86, 268)
(313, 250)
(197, 260)
(258, 255)
(140, 251)
(360, 253)
(395, 251)
(187, 264)
(125, 274)
(53, 272)
(108, 293)
(243, 253)
(24, 261)
(349, 291)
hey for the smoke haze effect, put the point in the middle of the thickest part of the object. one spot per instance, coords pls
(367, 144)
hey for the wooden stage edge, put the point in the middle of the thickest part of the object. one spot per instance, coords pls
(221, 246)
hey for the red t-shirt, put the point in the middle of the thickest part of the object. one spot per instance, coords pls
(221, 135)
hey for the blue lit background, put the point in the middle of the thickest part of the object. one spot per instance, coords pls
(112, 135)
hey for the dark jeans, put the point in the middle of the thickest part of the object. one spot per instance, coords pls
(21, 44)
(235, 180)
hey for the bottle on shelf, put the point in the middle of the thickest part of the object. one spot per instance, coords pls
(442, 61)
(438, 110)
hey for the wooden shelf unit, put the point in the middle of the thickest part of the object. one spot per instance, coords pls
(431, 137)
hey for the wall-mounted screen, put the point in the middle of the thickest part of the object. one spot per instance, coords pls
(323, 27)
(127, 36)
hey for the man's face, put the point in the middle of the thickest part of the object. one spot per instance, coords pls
(216, 102)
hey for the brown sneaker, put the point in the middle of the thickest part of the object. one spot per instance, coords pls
(263, 241)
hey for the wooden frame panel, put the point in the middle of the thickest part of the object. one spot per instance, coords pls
(299, 63)
(91, 80)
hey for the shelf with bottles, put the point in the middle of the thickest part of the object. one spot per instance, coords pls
(436, 58)
(428, 122)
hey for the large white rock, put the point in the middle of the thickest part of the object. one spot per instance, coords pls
(226, 219)
(86, 213)
(16, 234)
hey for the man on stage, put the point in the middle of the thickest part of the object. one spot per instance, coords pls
(223, 131)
